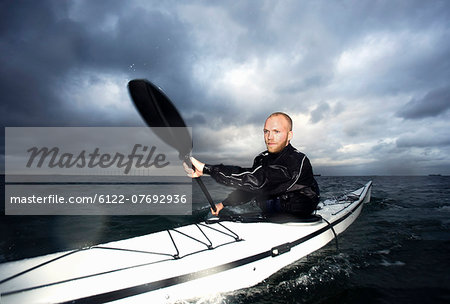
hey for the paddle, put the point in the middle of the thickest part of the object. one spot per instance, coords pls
(162, 116)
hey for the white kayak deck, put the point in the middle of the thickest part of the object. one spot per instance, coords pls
(158, 263)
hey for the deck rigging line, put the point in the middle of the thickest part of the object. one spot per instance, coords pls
(209, 246)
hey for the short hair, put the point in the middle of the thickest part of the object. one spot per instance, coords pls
(288, 118)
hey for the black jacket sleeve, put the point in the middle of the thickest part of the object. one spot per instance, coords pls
(260, 178)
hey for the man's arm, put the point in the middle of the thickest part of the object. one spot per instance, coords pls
(269, 179)
(221, 173)
(236, 197)
(257, 179)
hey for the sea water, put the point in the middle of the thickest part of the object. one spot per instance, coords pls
(397, 251)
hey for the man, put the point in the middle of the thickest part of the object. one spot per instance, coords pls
(281, 179)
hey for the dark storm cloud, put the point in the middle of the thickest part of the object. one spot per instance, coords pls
(423, 140)
(344, 68)
(323, 29)
(434, 103)
(30, 65)
(44, 43)
(42, 47)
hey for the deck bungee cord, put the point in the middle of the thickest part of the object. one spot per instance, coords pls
(234, 237)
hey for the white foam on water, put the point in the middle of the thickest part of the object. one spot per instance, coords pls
(384, 251)
(389, 264)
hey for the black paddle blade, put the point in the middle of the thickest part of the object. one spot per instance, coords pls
(163, 118)
(161, 115)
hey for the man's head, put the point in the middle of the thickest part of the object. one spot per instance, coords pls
(277, 131)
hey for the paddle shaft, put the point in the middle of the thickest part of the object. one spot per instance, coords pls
(206, 192)
(202, 185)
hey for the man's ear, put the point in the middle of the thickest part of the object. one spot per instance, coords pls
(290, 134)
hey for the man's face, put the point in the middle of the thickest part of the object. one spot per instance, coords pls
(276, 133)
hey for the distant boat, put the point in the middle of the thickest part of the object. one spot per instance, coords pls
(434, 174)
(317, 174)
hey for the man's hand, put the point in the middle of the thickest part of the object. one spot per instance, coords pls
(219, 207)
(197, 171)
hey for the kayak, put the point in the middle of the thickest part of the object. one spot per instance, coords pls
(209, 257)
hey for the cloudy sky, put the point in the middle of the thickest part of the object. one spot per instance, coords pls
(366, 82)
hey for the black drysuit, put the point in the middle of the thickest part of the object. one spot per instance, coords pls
(285, 178)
